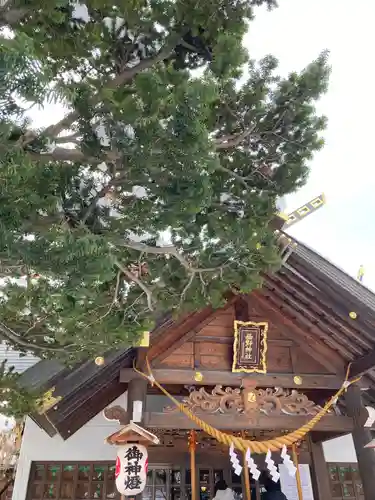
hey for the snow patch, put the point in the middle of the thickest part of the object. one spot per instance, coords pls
(164, 239)
(103, 167)
(227, 198)
(80, 12)
(6, 423)
(103, 137)
(159, 28)
(129, 131)
(50, 146)
(116, 24)
(138, 238)
(139, 192)
(134, 62)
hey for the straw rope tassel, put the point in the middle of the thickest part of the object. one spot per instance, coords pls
(244, 444)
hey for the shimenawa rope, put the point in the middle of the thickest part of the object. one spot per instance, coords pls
(244, 444)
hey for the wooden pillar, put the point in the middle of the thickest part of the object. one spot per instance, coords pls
(246, 473)
(137, 391)
(361, 437)
(320, 475)
(192, 449)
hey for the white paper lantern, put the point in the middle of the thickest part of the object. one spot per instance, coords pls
(131, 469)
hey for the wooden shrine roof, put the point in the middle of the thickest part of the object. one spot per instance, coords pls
(309, 294)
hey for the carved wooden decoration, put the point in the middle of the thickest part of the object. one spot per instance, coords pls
(250, 347)
(116, 413)
(249, 401)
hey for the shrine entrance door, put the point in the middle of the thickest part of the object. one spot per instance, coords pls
(168, 482)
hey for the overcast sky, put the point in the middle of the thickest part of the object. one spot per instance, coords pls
(296, 33)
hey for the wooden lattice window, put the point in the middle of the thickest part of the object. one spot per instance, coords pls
(72, 481)
(345, 481)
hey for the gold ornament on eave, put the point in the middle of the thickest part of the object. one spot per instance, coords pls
(99, 361)
(47, 401)
(353, 315)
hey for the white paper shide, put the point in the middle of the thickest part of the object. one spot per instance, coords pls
(131, 469)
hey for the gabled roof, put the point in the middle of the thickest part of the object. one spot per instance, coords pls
(351, 288)
(311, 293)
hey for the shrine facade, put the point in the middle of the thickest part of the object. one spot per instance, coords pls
(258, 368)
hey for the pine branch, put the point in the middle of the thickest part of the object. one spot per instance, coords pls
(239, 178)
(230, 141)
(73, 155)
(137, 281)
(101, 194)
(173, 251)
(62, 154)
(127, 75)
(67, 139)
(9, 15)
(15, 339)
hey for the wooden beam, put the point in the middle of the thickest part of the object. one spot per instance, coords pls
(177, 420)
(215, 377)
(363, 364)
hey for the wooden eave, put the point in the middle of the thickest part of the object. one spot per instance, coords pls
(87, 392)
(315, 293)
(84, 390)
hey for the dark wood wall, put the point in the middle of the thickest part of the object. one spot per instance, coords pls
(211, 348)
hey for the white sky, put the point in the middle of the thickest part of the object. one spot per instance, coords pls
(296, 33)
(344, 170)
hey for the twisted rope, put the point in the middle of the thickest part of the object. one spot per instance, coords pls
(244, 444)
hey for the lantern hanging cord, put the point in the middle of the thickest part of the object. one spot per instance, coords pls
(245, 444)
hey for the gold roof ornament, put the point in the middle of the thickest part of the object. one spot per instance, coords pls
(99, 361)
(303, 211)
(47, 401)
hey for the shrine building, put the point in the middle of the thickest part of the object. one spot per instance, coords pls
(259, 368)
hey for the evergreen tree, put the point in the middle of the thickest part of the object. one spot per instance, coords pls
(156, 191)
